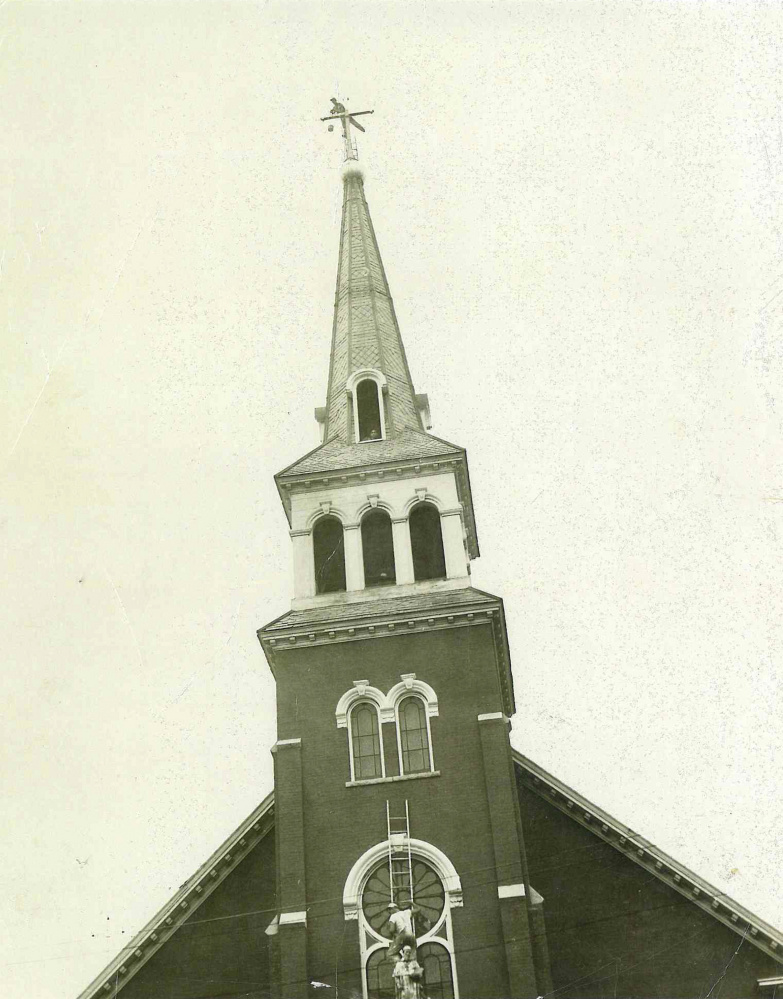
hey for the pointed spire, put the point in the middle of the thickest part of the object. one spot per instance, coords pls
(365, 333)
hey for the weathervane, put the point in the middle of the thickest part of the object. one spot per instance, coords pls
(347, 118)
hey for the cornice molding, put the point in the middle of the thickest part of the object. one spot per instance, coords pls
(288, 482)
(381, 625)
(371, 470)
(387, 624)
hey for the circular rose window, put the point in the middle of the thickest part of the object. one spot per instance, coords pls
(428, 895)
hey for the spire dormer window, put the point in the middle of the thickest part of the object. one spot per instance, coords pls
(329, 555)
(365, 389)
(368, 410)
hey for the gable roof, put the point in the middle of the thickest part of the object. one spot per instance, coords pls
(644, 853)
(193, 893)
(165, 923)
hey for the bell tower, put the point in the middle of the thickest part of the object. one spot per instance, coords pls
(394, 786)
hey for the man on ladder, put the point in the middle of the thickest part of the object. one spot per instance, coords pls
(402, 921)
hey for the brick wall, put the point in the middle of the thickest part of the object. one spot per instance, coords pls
(221, 950)
(449, 811)
(612, 930)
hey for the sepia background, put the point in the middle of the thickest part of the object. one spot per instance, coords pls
(578, 207)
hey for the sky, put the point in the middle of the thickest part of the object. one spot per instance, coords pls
(578, 208)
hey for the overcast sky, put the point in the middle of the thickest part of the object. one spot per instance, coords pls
(578, 210)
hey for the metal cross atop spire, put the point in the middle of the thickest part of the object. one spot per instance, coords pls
(347, 118)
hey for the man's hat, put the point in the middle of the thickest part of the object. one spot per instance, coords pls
(392, 905)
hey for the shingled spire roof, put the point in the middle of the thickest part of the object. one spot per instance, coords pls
(366, 339)
(365, 333)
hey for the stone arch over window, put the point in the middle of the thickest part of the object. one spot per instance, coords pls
(369, 860)
(434, 887)
(366, 389)
(329, 555)
(361, 691)
(378, 548)
(429, 559)
(409, 684)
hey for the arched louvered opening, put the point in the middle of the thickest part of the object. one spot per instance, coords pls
(429, 562)
(366, 753)
(329, 555)
(378, 549)
(414, 736)
(368, 410)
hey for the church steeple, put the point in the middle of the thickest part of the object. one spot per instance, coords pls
(367, 348)
(365, 333)
(381, 502)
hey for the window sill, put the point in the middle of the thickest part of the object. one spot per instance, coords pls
(389, 780)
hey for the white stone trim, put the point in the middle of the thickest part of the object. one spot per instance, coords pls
(511, 891)
(403, 552)
(354, 883)
(492, 716)
(423, 496)
(294, 918)
(409, 684)
(354, 560)
(282, 743)
(304, 564)
(374, 502)
(452, 532)
(389, 780)
(359, 376)
(273, 928)
(325, 509)
(361, 691)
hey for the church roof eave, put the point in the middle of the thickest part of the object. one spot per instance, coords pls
(391, 616)
(636, 848)
(648, 856)
(188, 897)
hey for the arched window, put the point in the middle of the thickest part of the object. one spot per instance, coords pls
(432, 928)
(436, 961)
(429, 561)
(378, 549)
(368, 410)
(329, 555)
(366, 749)
(414, 736)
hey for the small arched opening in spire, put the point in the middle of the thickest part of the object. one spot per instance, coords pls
(329, 555)
(378, 549)
(429, 561)
(368, 407)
